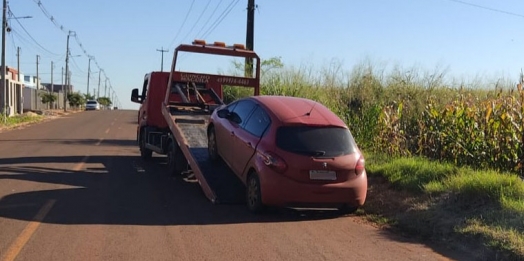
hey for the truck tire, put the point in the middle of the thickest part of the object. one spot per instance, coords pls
(176, 162)
(212, 147)
(145, 153)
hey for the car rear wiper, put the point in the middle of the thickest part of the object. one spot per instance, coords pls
(315, 153)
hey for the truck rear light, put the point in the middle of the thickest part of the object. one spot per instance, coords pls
(359, 168)
(273, 161)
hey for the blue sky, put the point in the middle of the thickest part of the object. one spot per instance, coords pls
(124, 36)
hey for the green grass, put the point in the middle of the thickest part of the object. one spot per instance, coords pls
(457, 203)
(18, 119)
(412, 174)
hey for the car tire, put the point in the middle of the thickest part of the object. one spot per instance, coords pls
(347, 209)
(254, 194)
(212, 147)
(145, 153)
(175, 159)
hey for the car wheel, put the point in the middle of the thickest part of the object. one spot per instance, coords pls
(175, 159)
(347, 209)
(212, 147)
(253, 194)
(145, 153)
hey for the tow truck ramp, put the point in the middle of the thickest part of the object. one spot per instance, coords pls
(217, 180)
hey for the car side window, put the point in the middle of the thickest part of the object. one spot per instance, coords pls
(257, 122)
(231, 106)
(243, 110)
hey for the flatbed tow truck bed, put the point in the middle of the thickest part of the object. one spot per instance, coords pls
(217, 180)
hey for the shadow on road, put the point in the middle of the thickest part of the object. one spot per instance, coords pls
(74, 142)
(123, 190)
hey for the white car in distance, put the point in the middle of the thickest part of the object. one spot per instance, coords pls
(92, 105)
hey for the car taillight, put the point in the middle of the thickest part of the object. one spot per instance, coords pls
(273, 161)
(359, 168)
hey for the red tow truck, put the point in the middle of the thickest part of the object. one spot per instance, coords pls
(174, 115)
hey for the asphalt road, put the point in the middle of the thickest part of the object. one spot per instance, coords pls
(74, 188)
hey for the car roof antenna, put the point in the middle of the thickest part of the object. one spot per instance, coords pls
(309, 112)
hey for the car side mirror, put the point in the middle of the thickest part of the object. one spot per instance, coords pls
(135, 97)
(223, 113)
(234, 118)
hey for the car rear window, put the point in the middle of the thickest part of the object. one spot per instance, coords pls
(316, 141)
(91, 102)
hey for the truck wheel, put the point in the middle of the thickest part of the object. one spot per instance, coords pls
(253, 194)
(176, 161)
(212, 147)
(144, 152)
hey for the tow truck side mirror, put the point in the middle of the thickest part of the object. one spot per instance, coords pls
(134, 96)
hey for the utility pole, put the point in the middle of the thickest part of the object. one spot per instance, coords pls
(67, 71)
(18, 62)
(52, 84)
(250, 36)
(4, 23)
(105, 88)
(37, 75)
(88, 73)
(18, 77)
(62, 76)
(162, 61)
(98, 94)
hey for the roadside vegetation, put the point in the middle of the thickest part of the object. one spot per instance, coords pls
(444, 155)
(18, 119)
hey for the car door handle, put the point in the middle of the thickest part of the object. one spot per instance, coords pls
(248, 144)
(232, 133)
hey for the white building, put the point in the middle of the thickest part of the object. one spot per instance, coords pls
(11, 98)
(31, 82)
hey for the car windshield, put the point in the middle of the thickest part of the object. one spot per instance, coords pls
(91, 102)
(316, 141)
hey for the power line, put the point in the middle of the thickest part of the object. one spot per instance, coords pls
(487, 8)
(30, 36)
(208, 19)
(198, 20)
(183, 54)
(221, 17)
(76, 65)
(183, 23)
(64, 29)
(30, 45)
(217, 22)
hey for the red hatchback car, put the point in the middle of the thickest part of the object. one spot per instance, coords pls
(289, 152)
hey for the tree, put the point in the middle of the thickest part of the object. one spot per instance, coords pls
(48, 98)
(75, 99)
(89, 97)
(105, 101)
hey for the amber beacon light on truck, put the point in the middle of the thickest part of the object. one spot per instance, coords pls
(219, 44)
